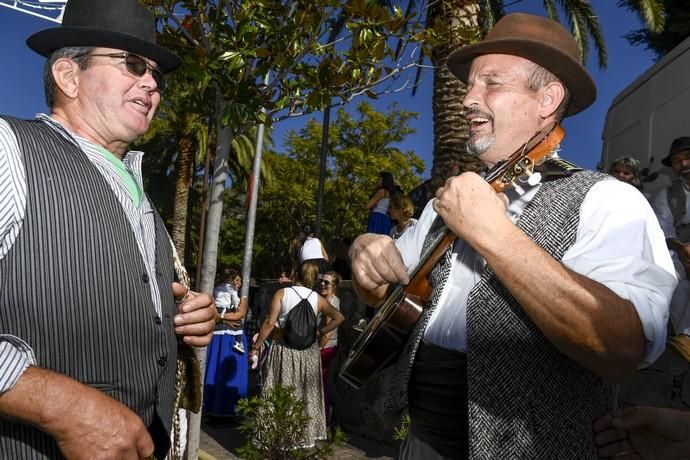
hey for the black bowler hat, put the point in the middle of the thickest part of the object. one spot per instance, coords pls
(678, 145)
(121, 24)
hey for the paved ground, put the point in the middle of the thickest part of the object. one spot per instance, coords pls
(220, 438)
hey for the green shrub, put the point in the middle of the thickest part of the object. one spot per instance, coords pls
(400, 433)
(275, 425)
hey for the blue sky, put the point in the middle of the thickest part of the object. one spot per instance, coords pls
(21, 91)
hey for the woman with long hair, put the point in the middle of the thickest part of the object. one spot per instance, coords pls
(328, 287)
(292, 367)
(401, 211)
(378, 221)
(627, 169)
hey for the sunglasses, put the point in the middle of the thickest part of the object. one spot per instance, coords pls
(138, 66)
(326, 282)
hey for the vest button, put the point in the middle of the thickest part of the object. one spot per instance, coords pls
(162, 361)
(158, 320)
(145, 278)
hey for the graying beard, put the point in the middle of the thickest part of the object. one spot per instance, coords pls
(481, 145)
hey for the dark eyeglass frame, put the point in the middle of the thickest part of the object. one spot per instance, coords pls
(136, 65)
(326, 282)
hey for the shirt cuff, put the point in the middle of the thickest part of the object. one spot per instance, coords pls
(15, 357)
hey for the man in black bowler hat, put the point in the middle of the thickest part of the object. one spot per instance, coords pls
(90, 314)
(667, 382)
(671, 206)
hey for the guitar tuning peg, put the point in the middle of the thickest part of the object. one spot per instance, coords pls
(530, 177)
(534, 179)
(519, 190)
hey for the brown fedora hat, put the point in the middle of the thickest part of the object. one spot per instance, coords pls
(679, 144)
(123, 24)
(540, 40)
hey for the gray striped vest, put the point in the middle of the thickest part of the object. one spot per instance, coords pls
(526, 399)
(74, 287)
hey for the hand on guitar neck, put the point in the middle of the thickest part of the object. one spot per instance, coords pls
(471, 209)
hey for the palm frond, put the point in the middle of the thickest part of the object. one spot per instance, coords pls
(651, 12)
(584, 23)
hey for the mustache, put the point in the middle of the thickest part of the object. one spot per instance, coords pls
(473, 110)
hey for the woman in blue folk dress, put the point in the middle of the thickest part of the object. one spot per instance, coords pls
(227, 366)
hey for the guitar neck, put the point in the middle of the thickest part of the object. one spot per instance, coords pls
(442, 240)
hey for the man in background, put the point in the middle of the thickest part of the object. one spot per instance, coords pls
(666, 383)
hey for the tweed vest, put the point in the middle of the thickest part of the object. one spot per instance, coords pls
(75, 288)
(526, 399)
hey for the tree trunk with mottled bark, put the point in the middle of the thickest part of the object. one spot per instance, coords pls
(450, 128)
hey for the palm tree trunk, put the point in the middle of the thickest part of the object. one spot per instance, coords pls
(183, 180)
(450, 128)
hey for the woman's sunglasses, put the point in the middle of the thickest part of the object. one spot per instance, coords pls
(326, 282)
(138, 66)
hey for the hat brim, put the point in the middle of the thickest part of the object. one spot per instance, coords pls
(47, 41)
(583, 91)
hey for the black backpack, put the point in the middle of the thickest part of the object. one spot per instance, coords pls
(299, 331)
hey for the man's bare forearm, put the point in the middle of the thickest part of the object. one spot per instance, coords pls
(36, 397)
(84, 422)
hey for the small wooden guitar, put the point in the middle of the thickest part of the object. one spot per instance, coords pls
(382, 339)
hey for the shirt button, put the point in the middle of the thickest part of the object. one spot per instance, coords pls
(162, 361)
(145, 278)
(158, 320)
